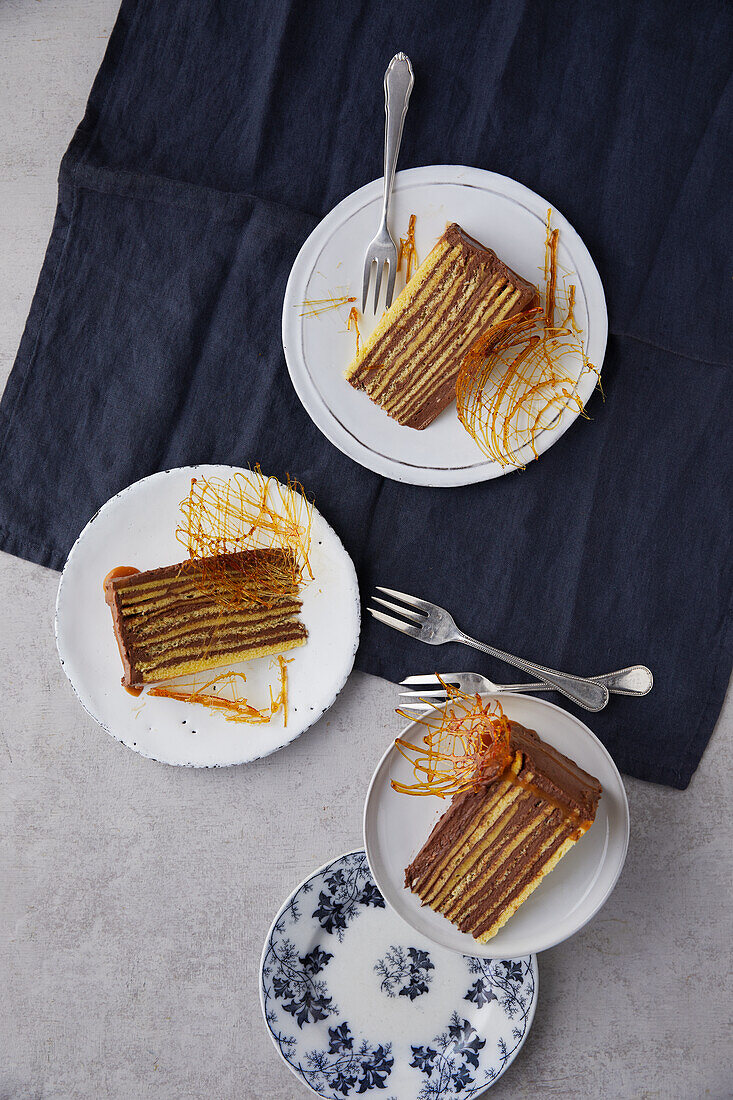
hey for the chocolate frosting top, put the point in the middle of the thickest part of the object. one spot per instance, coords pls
(555, 773)
(488, 259)
(236, 561)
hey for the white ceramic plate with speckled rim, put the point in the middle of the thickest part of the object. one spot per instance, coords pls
(494, 209)
(137, 528)
(397, 825)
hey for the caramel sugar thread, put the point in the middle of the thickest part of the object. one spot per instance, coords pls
(408, 251)
(470, 746)
(316, 307)
(354, 320)
(511, 384)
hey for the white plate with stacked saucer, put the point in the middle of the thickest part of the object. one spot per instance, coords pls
(499, 212)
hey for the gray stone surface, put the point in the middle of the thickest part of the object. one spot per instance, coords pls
(135, 897)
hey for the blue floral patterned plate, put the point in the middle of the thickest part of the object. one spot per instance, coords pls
(357, 1002)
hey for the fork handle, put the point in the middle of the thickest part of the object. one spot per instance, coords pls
(398, 81)
(586, 693)
(635, 680)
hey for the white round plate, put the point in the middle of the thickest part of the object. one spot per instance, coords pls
(397, 825)
(356, 1002)
(500, 213)
(137, 527)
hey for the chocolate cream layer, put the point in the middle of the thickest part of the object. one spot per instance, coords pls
(493, 845)
(204, 613)
(410, 363)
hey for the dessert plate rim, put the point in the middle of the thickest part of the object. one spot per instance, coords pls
(342, 431)
(266, 993)
(73, 661)
(390, 879)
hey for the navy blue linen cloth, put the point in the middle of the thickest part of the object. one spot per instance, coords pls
(217, 134)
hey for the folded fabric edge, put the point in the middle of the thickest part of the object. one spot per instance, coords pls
(171, 192)
(129, 10)
(39, 304)
(21, 546)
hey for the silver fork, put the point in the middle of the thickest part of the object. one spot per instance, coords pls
(398, 81)
(636, 680)
(434, 625)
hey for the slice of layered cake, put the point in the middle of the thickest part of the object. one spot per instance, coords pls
(410, 363)
(204, 613)
(496, 843)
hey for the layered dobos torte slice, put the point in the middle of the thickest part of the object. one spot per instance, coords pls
(494, 845)
(172, 621)
(410, 363)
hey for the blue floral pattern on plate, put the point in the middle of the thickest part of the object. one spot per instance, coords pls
(405, 972)
(340, 973)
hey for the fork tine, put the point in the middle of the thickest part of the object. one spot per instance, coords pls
(396, 624)
(421, 605)
(392, 269)
(378, 282)
(413, 615)
(416, 706)
(422, 694)
(432, 678)
(367, 276)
